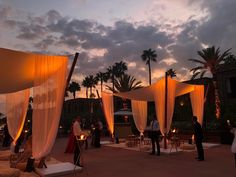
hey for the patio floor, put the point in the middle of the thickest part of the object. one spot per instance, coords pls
(117, 162)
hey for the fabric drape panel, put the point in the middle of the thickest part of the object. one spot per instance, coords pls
(48, 94)
(108, 108)
(159, 96)
(16, 109)
(197, 102)
(139, 110)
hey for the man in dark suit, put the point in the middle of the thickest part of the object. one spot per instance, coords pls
(155, 135)
(198, 136)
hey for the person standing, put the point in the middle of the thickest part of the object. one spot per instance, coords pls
(198, 137)
(77, 132)
(7, 137)
(154, 134)
(71, 141)
(233, 146)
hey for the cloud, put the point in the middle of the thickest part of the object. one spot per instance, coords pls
(101, 46)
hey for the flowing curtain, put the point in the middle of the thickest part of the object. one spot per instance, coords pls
(16, 109)
(108, 108)
(197, 102)
(159, 97)
(48, 93)
(139, 110)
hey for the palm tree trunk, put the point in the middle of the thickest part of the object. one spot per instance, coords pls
(74, 95)
(101, 85)
(86, 92)
(113, 86)
(150, 73)
(91, 91)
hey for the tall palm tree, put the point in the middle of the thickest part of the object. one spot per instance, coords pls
(102, 77)
(171, 72)
(92, 83)
(116, 70)
(125, 83)
(148, 56)
(212, 59)
(86, 84)
(73, 88)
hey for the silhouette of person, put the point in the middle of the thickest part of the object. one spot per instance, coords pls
(154, 134)
(198, 137)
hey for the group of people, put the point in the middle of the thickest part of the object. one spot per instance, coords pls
(79, 137)
(155, 133)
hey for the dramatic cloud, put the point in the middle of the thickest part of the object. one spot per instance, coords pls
(176, 36)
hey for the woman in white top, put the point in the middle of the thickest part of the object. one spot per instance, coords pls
(233, 147)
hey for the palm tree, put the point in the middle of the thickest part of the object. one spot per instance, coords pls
(116, 70)
(212, 59)
(92, 83)
(86, 84)
(230, 59)
(125, 83)
(73, 88)
(148, 56)
(102, 77)
(171, 72)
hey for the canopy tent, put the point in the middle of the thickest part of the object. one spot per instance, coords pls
(163, 93)
(19, 71)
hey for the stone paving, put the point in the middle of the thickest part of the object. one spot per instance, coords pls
(117, 162)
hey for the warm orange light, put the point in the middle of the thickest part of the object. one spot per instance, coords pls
(192, 138)
(82, 137)
(217, 113)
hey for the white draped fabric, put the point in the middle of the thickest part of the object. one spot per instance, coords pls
(48, 95)
(159, 96)
(197, 102)
(139, 110)
(156, 92)
(16, 109)
(108, 108)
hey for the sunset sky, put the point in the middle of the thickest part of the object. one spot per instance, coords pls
(108, 31)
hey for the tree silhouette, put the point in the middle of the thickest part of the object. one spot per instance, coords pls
(73, 88)
(148, 56)
(211, 61)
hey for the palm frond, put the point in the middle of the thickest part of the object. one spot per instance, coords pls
(197, 61)
(195, 75)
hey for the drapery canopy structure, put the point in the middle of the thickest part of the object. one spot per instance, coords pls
(108, 108)
(47, 76)
(139, 110)
(157, 93)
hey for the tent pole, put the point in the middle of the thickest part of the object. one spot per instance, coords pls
(166, 89)
(72, 69)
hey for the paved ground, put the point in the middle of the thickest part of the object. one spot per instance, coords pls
(117, 162)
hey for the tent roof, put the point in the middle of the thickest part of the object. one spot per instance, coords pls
(147, 93)
(17, 69)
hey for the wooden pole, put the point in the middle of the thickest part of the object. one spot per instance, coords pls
(72, 69)
(166, 96)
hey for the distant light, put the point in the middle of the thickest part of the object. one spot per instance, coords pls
(181, 103)
(26, 131)
(28, 120)
(60, 126)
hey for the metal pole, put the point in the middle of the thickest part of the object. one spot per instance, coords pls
(165, 125)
